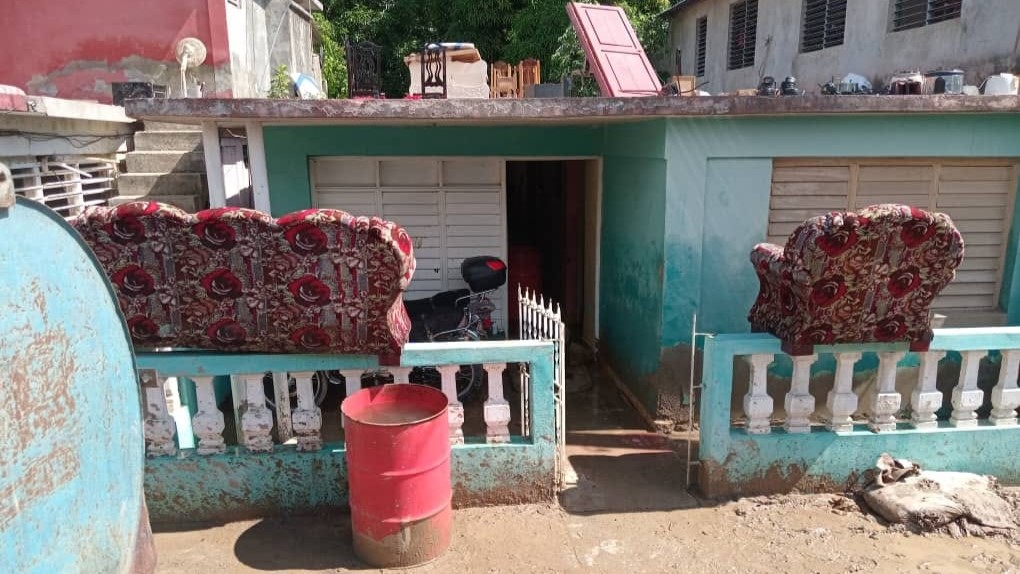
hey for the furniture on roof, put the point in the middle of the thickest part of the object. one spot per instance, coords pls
(504, 81)
(466, 73)
(364, 69)
(234, 279)
(529, 73)
(856, 277)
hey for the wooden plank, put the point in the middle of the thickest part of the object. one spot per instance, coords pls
(395, 210)
(956, 288)
(798, 215)
(979, 225)
(982, 239)
(822, 202)
(476, 171)
(468, 230)
(474, 196)
(810, 174)
(414, 197)
(897, 173)
(980, 250)
(975, 187)
(976, 276)
(344, 172)
(979, 264)
(489, 241)
(408, 172)
(836, 188)
(972, 174)
(490, 220)
(973, 213)
(472, 208)
(964, 301)
(409, 221)
(946, 200)
(884, 189)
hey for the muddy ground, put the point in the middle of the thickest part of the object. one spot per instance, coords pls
(627, 514)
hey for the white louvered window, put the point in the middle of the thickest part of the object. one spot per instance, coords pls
(977, 195)
(452, 208)
(824, 24)
(66, 185)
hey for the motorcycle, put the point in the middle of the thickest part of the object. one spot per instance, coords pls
(455, 315)
(458, 315)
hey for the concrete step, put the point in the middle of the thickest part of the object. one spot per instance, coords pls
(168, 141)
(171, 127)
(165, 162)
(149, 184)
(188, 203)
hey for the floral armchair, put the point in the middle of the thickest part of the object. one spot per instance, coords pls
(232, 279)
(862, 277)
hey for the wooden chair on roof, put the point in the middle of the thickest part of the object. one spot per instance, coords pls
(364, 69)
(529, 73)
(433, 72)
(503, 81)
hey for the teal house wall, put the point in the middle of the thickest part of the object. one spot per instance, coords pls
(684, 202)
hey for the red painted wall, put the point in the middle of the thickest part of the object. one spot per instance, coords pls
(75, 48)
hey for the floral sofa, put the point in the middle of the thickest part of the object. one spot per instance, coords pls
(861, 277)
(231, 279)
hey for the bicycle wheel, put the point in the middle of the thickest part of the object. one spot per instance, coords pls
(320, 385)
(469, 377)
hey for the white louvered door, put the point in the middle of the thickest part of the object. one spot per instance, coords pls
(977, 194)
(452, 208)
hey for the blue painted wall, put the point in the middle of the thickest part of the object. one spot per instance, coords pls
(631, 286)
(289, 148)
(718, 184)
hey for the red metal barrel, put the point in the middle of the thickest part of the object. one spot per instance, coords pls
(398, 468)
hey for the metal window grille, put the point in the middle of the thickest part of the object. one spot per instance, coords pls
(824, 24)
(743, 30)
(66, 185)
(702, 44)
(909, 14)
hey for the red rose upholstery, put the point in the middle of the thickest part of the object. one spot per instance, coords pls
(858, 277)
(231, 279)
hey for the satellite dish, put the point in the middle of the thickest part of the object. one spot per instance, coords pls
(190, 52)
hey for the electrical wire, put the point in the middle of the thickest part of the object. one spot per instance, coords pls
(76, 140)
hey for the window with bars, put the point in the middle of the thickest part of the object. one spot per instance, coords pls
(824, 24)
(909, 14)
(702, 38)
(66, 185)
(743, 30)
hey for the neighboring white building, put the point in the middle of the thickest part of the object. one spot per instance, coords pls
(732, 44)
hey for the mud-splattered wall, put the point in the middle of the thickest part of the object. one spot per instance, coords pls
(75, 50)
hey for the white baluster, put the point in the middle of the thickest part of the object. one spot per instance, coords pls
(886, 401)
(497, 409)
(401, 375)
(799, 403)
(842, 401)
(307, 418)
(159, 425)
(967, 397)
(926, 398)
(208, 423)
(454, 407)
(352, 380)
(256, 420)
(757, 402)
(281, 395)
(1006, 394)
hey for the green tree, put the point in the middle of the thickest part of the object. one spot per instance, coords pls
(508, 30)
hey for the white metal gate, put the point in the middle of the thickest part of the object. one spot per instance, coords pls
(541, 320)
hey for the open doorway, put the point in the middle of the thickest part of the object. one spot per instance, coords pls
(552, 238)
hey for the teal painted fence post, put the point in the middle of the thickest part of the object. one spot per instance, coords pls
(717, 387)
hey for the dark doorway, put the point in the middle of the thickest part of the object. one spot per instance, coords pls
(545, 233)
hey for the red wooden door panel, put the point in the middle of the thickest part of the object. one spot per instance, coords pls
(614, 53)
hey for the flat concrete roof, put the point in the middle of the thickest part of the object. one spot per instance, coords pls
(541, 110)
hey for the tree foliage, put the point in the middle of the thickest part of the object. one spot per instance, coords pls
(508, 30)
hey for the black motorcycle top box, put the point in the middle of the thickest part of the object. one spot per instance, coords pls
(483, 273)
